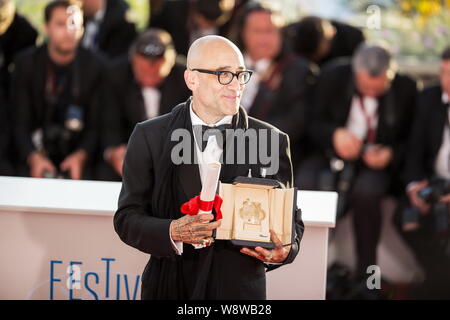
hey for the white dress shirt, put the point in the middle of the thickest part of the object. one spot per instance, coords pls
(212, 152)
(356, 122)
(441, 166)
(152, 98)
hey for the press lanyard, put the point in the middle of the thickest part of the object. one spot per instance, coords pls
(370, 121)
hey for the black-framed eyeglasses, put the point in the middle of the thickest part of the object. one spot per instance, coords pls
(225, 77)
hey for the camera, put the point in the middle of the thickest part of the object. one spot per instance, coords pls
(439, 211)
(436, 189)
(60, 138)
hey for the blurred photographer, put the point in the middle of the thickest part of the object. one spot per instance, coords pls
(144, 85)
(429, 158)
(54, 97)
(424, 221)
(361, 121)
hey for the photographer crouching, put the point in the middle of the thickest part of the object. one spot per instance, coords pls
(54, 99)
(424, 219)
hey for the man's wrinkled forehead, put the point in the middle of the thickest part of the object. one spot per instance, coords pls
(223, 59)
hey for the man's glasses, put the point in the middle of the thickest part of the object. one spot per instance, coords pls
(225, 77)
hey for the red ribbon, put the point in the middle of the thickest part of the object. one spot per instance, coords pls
(195, 204)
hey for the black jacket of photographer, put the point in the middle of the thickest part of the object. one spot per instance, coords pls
(33, 109)
(426, 135)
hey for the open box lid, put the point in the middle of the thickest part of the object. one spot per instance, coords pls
(260, 183)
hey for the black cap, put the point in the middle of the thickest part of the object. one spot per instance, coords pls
(152, 43)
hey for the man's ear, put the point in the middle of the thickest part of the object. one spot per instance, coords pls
(190, 79)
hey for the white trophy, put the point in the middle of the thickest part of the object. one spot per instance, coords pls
(209, 189)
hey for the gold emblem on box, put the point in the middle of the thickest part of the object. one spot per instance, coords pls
(252, 214)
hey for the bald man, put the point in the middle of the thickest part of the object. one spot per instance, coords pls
(156, 184)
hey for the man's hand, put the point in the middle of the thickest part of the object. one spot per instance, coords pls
(115, 157)
(74, 163)
(377, 157)
(414, 198)
(346, 145)
(193, 229)
(277, 255)
(39, 164)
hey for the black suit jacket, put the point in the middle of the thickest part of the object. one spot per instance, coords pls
(124, 104)
(426, 135)
(333, 97)
(115, 34)
(19, 36)
(30, 110)
(233, 275)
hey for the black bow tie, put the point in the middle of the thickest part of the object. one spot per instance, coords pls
(206, 132)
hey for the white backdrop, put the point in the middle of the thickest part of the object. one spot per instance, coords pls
(47, 226)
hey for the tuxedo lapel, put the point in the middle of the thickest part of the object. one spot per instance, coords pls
(231, 169)
(230, 172)
(189, 176)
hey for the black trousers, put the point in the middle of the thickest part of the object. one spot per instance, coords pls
(368, 189)
(370, 186)
(432, 251)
